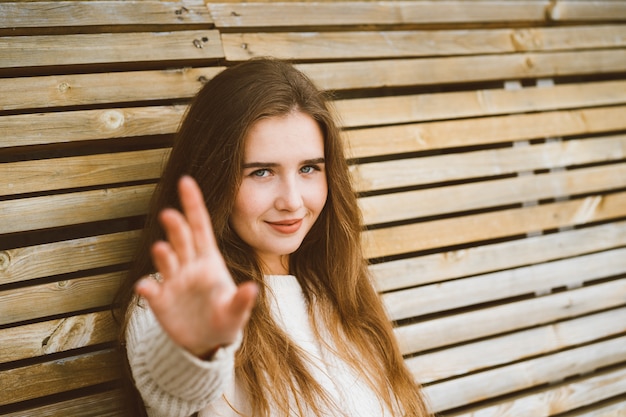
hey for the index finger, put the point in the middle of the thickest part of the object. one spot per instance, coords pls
(197, 215)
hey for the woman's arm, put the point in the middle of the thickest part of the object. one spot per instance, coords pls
(194, 309)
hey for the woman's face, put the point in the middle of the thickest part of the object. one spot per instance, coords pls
(283, 189)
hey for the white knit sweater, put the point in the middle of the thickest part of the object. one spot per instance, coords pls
(174, 383)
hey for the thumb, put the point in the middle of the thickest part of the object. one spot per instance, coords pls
(148, 289)
(243, 301)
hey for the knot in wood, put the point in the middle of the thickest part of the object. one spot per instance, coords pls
(63, 284)
(64, 87)
(5, 260)
(112, 119)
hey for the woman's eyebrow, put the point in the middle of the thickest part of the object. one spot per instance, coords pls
(275, 164)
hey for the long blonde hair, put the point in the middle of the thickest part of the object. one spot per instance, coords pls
(329, 264)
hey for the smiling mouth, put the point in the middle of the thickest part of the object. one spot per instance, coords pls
(286, 226)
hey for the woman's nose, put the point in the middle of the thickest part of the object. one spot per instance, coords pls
(289, 197)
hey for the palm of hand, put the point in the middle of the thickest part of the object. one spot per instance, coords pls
(197, 303)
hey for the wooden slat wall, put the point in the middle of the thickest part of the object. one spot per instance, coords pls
(90, 94)
(487, 141)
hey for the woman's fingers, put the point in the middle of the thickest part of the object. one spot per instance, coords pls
(178, 234)
(197, 215)
(165, 259)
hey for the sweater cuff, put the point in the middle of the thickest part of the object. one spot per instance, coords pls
(178, 372)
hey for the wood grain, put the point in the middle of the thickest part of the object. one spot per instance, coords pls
(495, 286)
(102, 88)
(266, 14)
(472, 228)
(56, 258)
(62, 297)
(564, 397)
(54, 336)
(447, 265)
(73, 208)
(58, 376)
(398, 44)
(105, 404)
(514, 316)
(50, 50)
(101, 13)
(546, 369)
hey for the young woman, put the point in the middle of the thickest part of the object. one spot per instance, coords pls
(266, 308)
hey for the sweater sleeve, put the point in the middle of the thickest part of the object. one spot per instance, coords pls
(171, 381)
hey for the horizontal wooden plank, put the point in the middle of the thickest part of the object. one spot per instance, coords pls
(486, 163)
(62, 127)
(431, 71)
(81, 171)
(74, 208)
(113, 87)
(61, 297)
(476, 324)
(526, 374)
(428, 107)
(48, 50)
(614, 408)
(397, 44)
(563, 397)
(504, 284)
(485, 226)
(105, 404)
(489, 130)
(282, 14)
(487, 194)
(101, 13)
(506, 349)
(574, 10)
(55, 336)
(67, 256)
(443, 266)
(58, 376)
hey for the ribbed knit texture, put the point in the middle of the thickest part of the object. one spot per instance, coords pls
(174, 383)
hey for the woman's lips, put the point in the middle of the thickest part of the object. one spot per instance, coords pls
(286, 226)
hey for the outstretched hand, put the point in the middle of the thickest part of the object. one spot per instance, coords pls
(197, 303)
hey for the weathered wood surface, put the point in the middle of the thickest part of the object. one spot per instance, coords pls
(564, 397)
(63, 257)
(496, 286)
(33, 381)
(484, 131)
(490, 194)
(487, 142)
(79, 207)
(347, 75)
(102, 88)
(526, 374)
(399, 44)
(486, 226)
(268, 14)
(476, 260)
(81, 171)
(105, 404)
(518, 346)
(480, 323)
(56, 298)
(54, 336)
(101, 13)
(483, 102)
(51, 50)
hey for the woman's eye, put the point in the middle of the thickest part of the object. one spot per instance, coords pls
(308, 169)
(260, 173)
